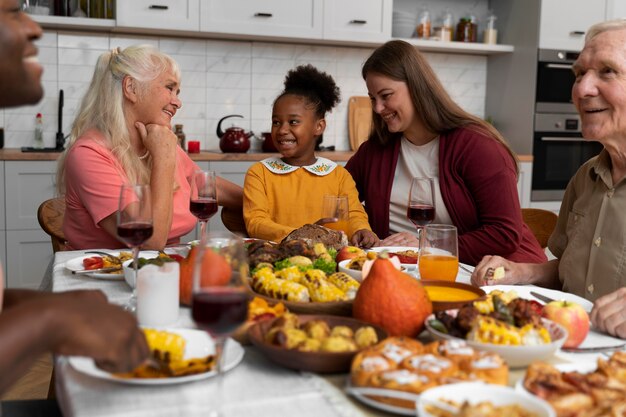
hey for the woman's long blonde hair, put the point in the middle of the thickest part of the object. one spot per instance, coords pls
(401, 61)
(102, 107)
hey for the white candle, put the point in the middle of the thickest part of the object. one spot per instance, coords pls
(157, 294)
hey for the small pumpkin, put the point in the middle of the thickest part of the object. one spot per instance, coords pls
(392, 300)
(215, 271)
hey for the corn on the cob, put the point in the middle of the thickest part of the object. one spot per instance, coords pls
(165, 345)
(486, 306)
(265, 282)
(291, 273)
(345, 283)
(535, 335)
(320, 289)
(489, 330)
(321, 252)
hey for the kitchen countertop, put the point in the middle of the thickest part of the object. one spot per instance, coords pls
(14, 154)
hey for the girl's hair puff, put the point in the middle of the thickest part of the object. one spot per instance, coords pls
(316, 87)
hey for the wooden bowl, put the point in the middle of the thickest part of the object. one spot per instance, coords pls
(320, 362)
(447, 295)
(333, 308)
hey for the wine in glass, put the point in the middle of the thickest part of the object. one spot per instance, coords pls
(134, 224)
(219, 297)
(421, 209)
(203, 202)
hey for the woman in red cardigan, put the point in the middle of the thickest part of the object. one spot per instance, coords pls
(419, 131)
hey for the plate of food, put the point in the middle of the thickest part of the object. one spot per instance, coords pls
(581, 389)
(523, 291)
(476, 398)
(314, 343)
(408, 255)
(191, 352)
(92, 261)
(393, 374)
(502, 323)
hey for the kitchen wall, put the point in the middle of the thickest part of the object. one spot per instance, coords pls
(220, 78)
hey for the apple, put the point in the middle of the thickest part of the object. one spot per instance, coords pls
(571, 316)
(348, 252)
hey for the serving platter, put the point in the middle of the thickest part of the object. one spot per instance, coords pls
(523, 291)
(366, 395)
(76, 264)
(198, 344)
(392, 249)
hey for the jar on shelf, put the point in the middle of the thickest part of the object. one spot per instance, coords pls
(447, 26)
(178, 130)
(490, 35)
(466, 30)
(423, 25)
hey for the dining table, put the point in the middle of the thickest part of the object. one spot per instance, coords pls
(256, 386)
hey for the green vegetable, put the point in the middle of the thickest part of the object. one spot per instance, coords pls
(329, 267)
(152, 261)
(501, 311)
(437, 325)
(282, 264)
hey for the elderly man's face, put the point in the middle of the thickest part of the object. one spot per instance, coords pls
(599, 92)
(20, 73)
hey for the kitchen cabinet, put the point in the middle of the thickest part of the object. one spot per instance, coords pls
(563, 23)
(159, 14)
(234, 172)
(615, 9)
(281, 18)
(28, 249)
(365, 20)
(524, 180)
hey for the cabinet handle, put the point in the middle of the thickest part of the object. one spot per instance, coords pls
(158, 7)
(561, 139)
(577, 33)
(358, 22)
(263, 15)
(559, 66)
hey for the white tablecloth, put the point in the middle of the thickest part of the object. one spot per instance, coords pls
(255, 387)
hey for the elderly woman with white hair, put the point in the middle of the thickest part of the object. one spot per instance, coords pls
(589, 241)
(122, 134)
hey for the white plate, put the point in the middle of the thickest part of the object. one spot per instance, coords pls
(515, 356)
(76, 264)
(362, 394)
(341, 266)
(396, 249)
(523, 291)
(582, 367)
(199, 344)
(475, 392)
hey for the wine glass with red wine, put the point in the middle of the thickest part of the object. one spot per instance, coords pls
(421, 210)
(134, 224)
(219, 297)
(203, 202)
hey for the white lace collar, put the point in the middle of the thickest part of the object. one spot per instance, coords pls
(320, 168)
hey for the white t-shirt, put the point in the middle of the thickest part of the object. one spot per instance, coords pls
(414, 161)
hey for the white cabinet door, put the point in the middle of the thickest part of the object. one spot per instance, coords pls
(282, 18)
(27, 185)
(159, 14)
(234, 172)
(28, 254)
(615, 9)
(524, 180)
(363, 20)
(563, 23)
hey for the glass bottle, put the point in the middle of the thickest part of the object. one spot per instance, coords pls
(423, 25)
(447, 26)
(38, 131)
(491, 33)
(178, 130)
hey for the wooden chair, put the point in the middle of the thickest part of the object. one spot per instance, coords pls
(233, 220)
(50, 215)
(541, 223)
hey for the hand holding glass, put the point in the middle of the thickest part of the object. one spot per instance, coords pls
(438, 258)
(336, 207)
(134, 223)
(220, 300)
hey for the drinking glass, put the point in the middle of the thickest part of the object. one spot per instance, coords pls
(219, 298)
(203, 202)
(421, 209)
(439, 253)
(134, 224)
(336, 207)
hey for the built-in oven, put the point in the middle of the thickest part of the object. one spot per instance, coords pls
(554, 81)
(559, 150)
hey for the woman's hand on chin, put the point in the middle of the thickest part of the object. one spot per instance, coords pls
(158, 140)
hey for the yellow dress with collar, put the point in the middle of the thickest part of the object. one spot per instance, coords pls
(279, 198)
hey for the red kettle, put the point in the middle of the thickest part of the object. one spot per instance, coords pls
(234, 139)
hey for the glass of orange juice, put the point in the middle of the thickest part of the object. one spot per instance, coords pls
(336, 207)
(439, 253)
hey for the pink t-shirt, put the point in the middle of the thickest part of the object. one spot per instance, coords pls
(93, 177)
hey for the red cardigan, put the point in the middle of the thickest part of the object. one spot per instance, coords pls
(478, 181)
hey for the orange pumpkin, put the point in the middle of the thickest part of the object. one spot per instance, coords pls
(215, 271)
(392, 300)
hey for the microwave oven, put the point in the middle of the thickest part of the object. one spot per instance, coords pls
(555, 78)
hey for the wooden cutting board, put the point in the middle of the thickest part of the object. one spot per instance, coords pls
(359, 120)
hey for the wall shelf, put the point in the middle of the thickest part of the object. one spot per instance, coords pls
(109, 25)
